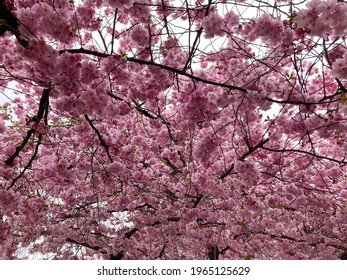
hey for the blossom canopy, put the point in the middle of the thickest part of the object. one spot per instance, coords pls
(156, 129)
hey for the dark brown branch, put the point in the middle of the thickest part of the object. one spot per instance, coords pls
(144, 62)
(341, 162)
(181, 72)
(19, 148)
(43, 113)
(138, 107)
(273, 175)
(197, 200)
(251, 149)
(103, 40)
(84, 244)
(130, 233)
(102, 142)
(142, 110)
(344, 255)
(301, 102)
(165, 18)
(43, 105)
(162, 250)
(197, 38)
(173, 219)
(119, 256)
(145, 113)
(304, 241)
(114, 29)
(224, 250)
(114, 96)
(342, 87)
(28, 164)
(182, 158)
(213, 253)
(227, 172)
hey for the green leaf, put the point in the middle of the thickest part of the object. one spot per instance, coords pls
(292, 16)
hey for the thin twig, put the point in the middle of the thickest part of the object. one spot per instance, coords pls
(102, 142)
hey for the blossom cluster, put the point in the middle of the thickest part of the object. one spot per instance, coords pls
(324, 18)
(58, 25)
(140, 35)
(212, 25)
(268, 29)
(120, 3)
(215, 25)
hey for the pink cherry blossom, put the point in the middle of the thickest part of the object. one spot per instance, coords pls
(120, 3)
(268, 29)
(140, 35)
(324, 18)
(212, 24)
(339, 68)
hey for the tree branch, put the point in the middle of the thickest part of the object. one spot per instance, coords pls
(144, 62)
(85, 244)
(102, 142)
(251, 149)
(28, 164)
(197, 38)
(43, 105)
(42, 113)
(341, 162)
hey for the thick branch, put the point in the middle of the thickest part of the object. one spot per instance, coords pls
(130, 233)
(119, 256)
(213, 253)
(42, 107)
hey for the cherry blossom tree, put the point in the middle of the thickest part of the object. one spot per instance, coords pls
(156, 129)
